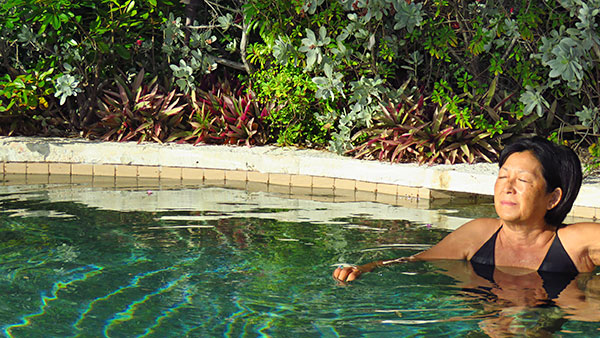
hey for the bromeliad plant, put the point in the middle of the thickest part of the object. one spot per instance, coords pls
(206, 127)
(139, 113)
(240, 117)
(422, 132)
(226, 112)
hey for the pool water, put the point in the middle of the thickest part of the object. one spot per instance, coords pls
(73, 267)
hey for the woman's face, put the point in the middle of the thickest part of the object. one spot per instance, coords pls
(520, 195)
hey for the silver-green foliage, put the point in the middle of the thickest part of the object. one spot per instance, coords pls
(408, 15)
(330, 84)
(532, 100)
(313, 47)
(66, 85)
(310, 6)
(589, 118)
(188, 59)
(347, 63)
(569, 53)
(364, 102)
(328, 58)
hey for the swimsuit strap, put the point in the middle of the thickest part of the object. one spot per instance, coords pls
(485, 254)
(557, 259)
(483, 261)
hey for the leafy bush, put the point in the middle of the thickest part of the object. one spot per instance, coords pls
(323, 70)
(27, 105)
(294, 122)
(358, 52)
(418, 130)
(592, 163)
(86, 43)
(188, 54)
(142, 112)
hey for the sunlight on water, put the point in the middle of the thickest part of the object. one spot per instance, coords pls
(74, 265)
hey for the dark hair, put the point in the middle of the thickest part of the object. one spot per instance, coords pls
(561, 168)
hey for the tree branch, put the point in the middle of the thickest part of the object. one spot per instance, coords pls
(212, 5)
(212, 26)
(231, 64)
(244, 44)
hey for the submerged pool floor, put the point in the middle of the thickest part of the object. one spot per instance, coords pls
(80, 261)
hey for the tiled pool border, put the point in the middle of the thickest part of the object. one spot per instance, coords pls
(43, 172)
(40, 157)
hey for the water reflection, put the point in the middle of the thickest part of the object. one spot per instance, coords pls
(183, 269)
(524, 302)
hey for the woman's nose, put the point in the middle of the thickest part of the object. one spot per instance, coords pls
(509, 185)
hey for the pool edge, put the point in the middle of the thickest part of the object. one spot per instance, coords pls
(286, 168)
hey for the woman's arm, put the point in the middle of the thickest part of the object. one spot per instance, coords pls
(350, 273)
(462, 243)
(593, 238)
(582, 243)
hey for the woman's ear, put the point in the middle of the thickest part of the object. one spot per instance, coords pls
(555, 197)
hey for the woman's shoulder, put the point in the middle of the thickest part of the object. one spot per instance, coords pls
(584, 235)
(479, 228)
(463, 242)
(584, 230)
(481, 225)
(582, 240)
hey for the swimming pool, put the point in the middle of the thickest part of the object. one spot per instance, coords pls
(80, 261)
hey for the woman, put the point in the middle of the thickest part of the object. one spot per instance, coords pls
(536, 186)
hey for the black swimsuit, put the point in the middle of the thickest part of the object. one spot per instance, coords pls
(557, 270)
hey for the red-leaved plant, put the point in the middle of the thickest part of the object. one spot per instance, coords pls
(222, 115)
(422, 132)
(141, 112)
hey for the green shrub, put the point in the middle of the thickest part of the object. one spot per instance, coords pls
(27, 105)
(86, 44)
(294, 122)
(591, 160)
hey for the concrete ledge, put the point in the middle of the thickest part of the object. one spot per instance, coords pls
(274, 166)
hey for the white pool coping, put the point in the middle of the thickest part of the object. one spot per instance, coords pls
(286, 167)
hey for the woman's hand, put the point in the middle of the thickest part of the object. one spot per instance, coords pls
(346, 273)
(350, 273)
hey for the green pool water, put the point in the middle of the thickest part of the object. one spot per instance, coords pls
(193, 262)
